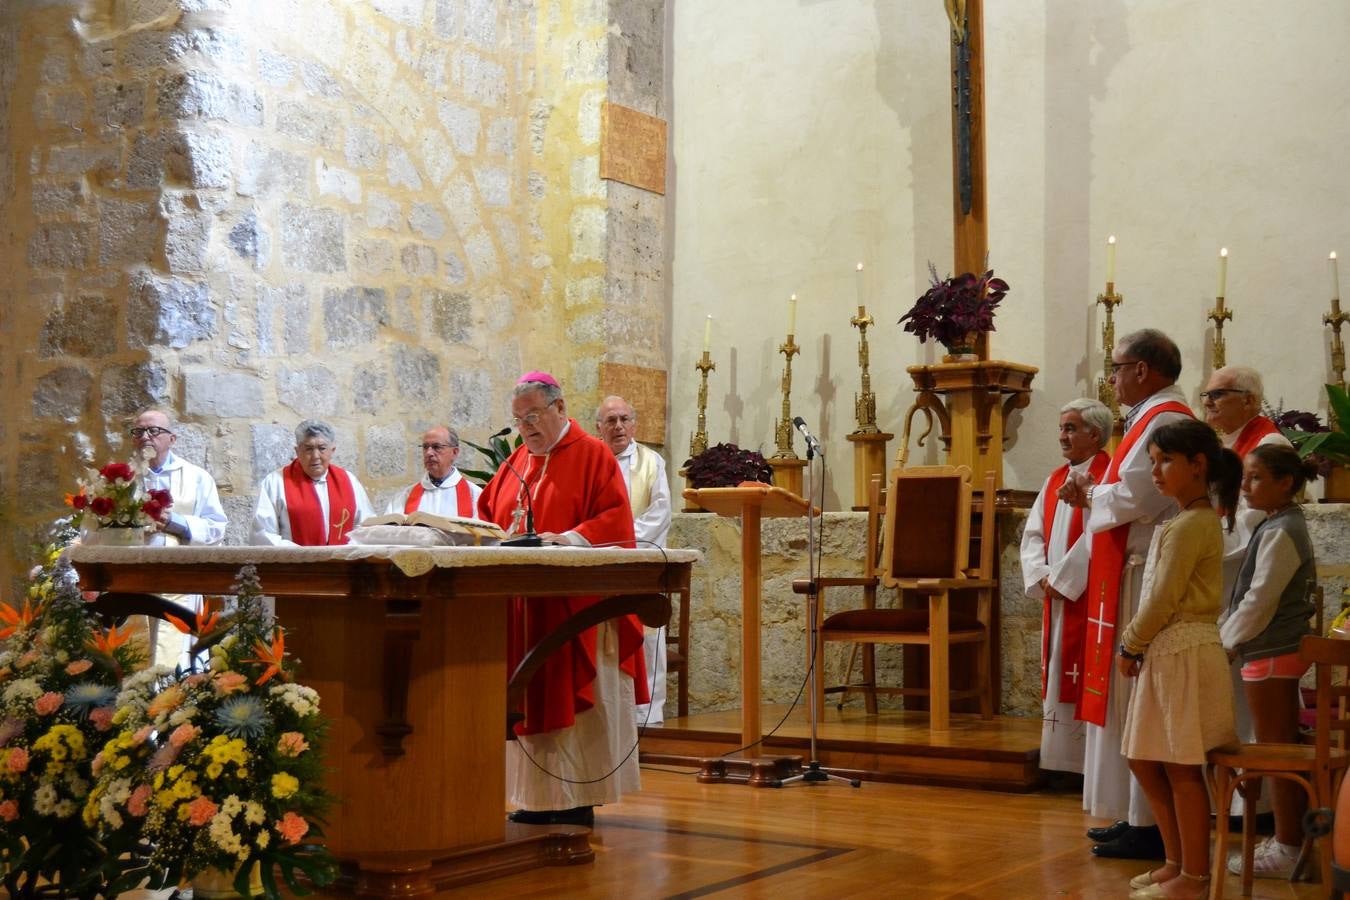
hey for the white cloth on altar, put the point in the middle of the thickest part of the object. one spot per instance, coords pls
(1109, 790)
(1062, 736)
(197, 511)
(439, 499)
(603, 738)
(271, 522)
(651, 524)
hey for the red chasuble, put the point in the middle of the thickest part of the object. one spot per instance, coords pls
(463, 499)
(1102, 596)
(1251, 435)
(1073, 624)
(577, 487)
(308, 529)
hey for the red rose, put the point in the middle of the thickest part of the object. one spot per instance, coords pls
(162, 497)
(117, 471)
(101, 506)
(79, 501)
(152, 509)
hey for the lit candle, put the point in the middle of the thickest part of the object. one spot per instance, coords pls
(792, 314)
(862, 308)
(1335, 277)
(1223, 272)
(1111, 260)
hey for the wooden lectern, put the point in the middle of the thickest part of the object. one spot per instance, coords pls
(750, 503)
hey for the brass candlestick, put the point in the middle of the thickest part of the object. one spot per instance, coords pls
(1105, 394)
(1336, 319)
(1218, 315)
(699, 441)
(783, 429)
(865, 403)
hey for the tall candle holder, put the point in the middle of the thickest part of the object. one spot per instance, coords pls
(1336, 319)
(864, 403)
(869, 441)
(1218, 315)
(1105, 394)
(783, 428)
(698, 442)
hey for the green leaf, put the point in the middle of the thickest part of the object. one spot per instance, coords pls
(1340, 406)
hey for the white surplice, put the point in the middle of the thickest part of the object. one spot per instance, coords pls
(651, 524)
(439, 499)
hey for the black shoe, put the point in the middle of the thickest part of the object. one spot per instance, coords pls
(1135, 843)
(577, 815)
(1107, 833)
(531, 816)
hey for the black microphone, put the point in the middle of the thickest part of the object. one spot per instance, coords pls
(529, 538)
(811, 443)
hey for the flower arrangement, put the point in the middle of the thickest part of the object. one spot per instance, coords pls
(115, 496)
(1313, 440)
(956, 310)
(726, 465)
(59, 678)
(224, 765)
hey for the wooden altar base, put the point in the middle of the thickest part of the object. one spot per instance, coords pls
(998, 754)
(762, 771)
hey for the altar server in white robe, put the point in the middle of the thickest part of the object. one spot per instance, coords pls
(1123, 510)
(1055, 555)
(644, 473)
(443, 490)
(196, 517)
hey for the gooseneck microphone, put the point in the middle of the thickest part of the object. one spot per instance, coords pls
(811, 443)
(529, 538)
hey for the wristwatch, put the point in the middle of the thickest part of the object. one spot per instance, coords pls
(1125, 652)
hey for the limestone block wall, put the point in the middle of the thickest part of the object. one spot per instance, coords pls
(258, 211)
(715, 613)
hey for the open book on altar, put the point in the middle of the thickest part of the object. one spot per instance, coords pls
(432, 530)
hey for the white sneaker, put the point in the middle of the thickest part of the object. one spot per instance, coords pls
(1270, 860)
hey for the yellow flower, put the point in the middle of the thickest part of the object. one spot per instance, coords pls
(284, 784)
(121, 715)
(164, 799)
(213, 770)
(241, 772)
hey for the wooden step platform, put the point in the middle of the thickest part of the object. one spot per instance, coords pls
(998, 754)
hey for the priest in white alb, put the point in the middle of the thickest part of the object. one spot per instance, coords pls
(443, 490)
(1055, 554)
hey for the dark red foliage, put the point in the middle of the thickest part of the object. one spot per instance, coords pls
(726, 465)
(951, 310)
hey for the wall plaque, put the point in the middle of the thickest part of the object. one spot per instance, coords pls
(632, 148)
(645, 391)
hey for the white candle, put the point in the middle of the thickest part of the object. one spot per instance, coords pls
(792, 314)
(1335, 277)
(707, 335)
(1223, 272)
(861, 302)
(1111, 260)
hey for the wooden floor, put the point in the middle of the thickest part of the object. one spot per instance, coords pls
(1000, 753)
(678, 838)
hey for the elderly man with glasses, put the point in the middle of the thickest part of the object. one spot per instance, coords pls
(443, 491)
(644, 472)
(575, 748)
(1232, 399)
(196, 517)
(310, 502)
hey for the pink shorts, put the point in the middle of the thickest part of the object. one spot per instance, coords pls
(1287, 666)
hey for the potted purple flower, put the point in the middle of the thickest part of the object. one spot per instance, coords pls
(956, 311)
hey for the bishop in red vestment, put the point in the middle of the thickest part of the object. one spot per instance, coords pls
(579, 709)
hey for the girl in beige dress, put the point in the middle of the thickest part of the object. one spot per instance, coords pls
(1182, 705)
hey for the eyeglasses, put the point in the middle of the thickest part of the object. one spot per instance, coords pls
(530, 418)
(618, 420)
(1219, 393)
(1117, 366)
(153, 430)
(320, 449)
(439, 448)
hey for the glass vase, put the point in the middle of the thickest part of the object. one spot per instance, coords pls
(218, 884)
(106, 536)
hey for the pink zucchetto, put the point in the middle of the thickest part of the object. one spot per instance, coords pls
(542, 377)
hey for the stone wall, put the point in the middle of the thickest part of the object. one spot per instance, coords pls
(715, 613)
(258, 211)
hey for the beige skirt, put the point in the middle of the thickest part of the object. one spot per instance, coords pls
(1182, 704)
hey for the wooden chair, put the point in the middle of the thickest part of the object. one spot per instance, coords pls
(677, 653)
(1317, 768)
(922, 546)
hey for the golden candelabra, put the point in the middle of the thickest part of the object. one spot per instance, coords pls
(865, 403)
(1218, 315)
(1105, 394)
(1336, 319)
(699, 441)
(783, 429)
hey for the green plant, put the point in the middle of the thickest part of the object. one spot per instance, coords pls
(494, 454)
(1332, 444)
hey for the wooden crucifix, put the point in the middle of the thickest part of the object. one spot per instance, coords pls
(971, 246)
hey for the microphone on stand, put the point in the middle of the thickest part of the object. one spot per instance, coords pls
(529, 538)
(812, 445)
